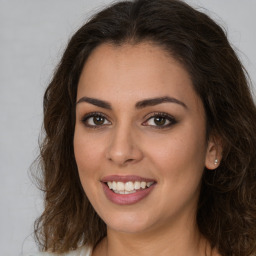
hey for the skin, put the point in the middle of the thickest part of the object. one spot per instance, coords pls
(131, 142)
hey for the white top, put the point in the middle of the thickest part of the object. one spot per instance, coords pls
(82, 251)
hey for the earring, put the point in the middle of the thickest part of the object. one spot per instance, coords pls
(216, 161)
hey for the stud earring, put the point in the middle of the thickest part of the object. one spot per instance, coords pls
(216, 161)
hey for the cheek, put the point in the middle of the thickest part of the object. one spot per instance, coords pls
(179, 165)
(181, 152)
(87, 154)
(178, 150)
(179, 159)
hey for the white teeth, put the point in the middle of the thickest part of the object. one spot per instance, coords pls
(149, 184)
(114, 185)
(120, 186)
(137, 185)
(143, 184)
(128, 187)
(110, 185)
(124, 192)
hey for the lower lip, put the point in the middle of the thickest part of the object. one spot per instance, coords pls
(127, 199)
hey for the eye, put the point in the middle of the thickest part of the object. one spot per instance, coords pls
(95, 120)
(160, 120)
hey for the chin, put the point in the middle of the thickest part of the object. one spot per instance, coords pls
(129, 228)
(128, 222)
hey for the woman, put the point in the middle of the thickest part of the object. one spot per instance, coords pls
(150, 138)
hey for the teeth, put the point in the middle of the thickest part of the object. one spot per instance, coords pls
(143, 184)
(110, 185)
(149, 184)
(120, 186)
(137, 185)
(128, 187)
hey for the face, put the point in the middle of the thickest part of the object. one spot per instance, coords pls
(140, 138)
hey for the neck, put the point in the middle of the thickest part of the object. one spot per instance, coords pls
(178, 241)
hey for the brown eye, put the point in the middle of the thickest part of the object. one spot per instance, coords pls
(98, 120)
(95, 120)
(160, 120)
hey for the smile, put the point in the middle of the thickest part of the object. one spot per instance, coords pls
(128, 187)
(126, 190)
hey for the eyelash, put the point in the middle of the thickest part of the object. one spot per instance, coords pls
(165, 116)
(90, 115)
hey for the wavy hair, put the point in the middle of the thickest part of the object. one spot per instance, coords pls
(226, 213)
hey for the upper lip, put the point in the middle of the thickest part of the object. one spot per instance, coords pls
(125, 178)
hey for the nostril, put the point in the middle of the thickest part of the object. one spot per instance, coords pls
(129, 160)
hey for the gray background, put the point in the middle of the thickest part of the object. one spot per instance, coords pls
(33, 34)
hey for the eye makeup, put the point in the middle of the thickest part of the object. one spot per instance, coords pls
(95, 120)
(158, 120)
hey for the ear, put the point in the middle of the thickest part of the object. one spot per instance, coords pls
(213, 153)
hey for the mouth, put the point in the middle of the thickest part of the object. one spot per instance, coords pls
(125, 190)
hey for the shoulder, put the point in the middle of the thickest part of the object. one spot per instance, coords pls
(82, 251)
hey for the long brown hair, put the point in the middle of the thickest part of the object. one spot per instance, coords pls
(227, 206)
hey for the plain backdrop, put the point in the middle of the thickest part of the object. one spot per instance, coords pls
(33, 35)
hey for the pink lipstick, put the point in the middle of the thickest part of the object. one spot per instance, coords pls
(126, 190)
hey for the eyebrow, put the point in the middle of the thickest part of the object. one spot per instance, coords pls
(156, 101)
(139, 105)
(96, 102)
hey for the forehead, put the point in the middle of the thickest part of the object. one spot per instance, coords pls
(133, 72)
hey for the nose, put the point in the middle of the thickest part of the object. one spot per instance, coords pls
(124, 147)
